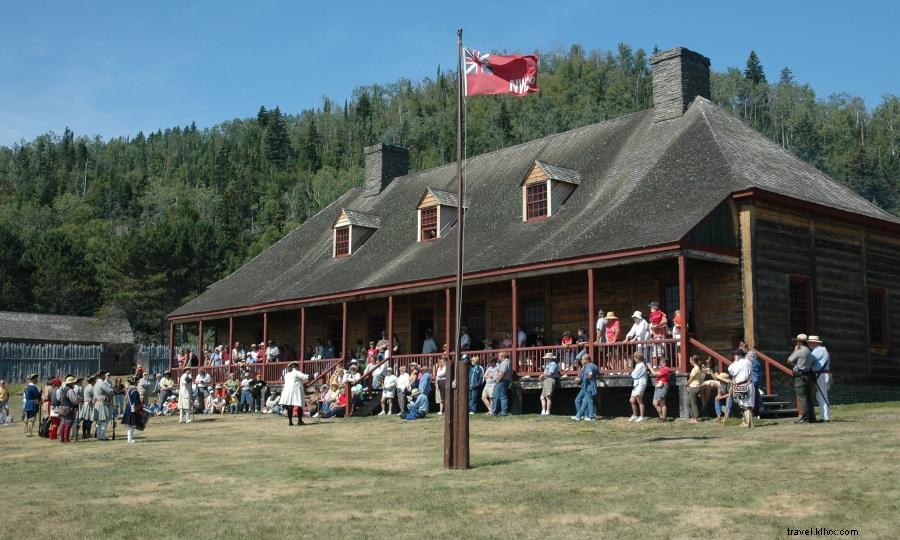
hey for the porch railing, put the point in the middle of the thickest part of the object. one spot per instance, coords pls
(612, 358)
(271, 372)
(768, 363)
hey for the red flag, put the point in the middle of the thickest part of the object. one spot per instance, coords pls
(495, 74)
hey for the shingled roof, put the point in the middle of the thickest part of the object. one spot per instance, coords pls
(562, 174)
(630, 169)
(16, 326)
(361, 219)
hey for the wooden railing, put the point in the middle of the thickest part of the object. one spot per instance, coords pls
(768, 363)
(612, 358)
(271, 372)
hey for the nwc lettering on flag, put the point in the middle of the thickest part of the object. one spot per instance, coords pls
(495, 74)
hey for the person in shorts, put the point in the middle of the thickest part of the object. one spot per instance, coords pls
(638, 386)
(490, 380)
(549, 380)
(388, 392)
(663, 376)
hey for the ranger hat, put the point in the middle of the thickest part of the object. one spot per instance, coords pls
(70, 380)
(549, 356)
(801, 337)
(814, 339)
(33, 377)
(415, 392)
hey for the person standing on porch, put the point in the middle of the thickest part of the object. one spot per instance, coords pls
(801, 360)
(549, 381)
(465, 340)
(584, 402)
(613, 329)
(521, 337)
(600, 326)
(293, 394)
(638, 386)
(640, 332)
(500, 398)
(659, 323)
(663, 376)
(476, 379)
(429, 345)
(822, 373)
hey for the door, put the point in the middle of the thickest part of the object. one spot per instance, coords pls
(424, 324)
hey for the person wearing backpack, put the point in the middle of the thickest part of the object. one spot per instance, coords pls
(549, 380)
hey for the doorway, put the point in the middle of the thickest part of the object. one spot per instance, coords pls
(424, 324)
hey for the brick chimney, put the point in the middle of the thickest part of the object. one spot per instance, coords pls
(384, 163)
(679, 75)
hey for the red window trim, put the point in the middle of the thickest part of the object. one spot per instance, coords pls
(437, 233)
(546, 201)
(883, 297)
(338, 255)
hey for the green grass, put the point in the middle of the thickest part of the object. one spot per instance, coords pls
(228, 477)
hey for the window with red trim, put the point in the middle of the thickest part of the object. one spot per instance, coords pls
(536, 201)
(429, 223)
(800, 297)
(878, 331)
(342, 241)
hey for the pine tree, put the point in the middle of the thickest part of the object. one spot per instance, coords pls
(754, 70)
(278, 142)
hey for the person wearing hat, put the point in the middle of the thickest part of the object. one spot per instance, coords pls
(103, 396)
(801, 361)
(613, 329)
(418, 406)
(293, 394)
(69, 400)
(640, 332)
(549, 380)
(166, 386)
(388, 392)
(86, 411)
(134, 409)
(659, 323)
(822, 374)
(32, 404)
(53, 394)
(272, 352)
(743, 391)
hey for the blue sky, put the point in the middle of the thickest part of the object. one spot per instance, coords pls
(114, 68)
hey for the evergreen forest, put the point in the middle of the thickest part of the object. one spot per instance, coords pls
(137, 225)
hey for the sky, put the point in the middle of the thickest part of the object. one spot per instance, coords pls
(115, 68)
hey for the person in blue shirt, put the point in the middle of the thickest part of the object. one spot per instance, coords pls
(584, 403)
(32, 398)
(425, 383)
(500, 399)
(822, 372)
(419, 406)
(549, 381)
(756, 377)
(476, 379)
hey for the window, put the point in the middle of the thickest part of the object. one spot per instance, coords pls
(533, 320)
(536, 201)
(800, 297)
(342, 241)
(878, 334)
(429, 223)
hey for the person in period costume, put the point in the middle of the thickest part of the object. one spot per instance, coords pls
(801, 360)
(69, 401)
(32, 405)
(103, 398)
(742, 389)
(185, 398)
(822, 375)
(87, 407)
(294, 393)
(134, 409)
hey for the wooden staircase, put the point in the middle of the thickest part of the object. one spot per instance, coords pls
(774, 407)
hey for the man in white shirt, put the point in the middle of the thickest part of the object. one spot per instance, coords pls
(237, 353)
(429, 346)
(250, 357)
(640, 331)
(821, 369)
(601, 326)
(465, 341)
(272, 352)
(522, 337)
(402, 387)
(743, 390)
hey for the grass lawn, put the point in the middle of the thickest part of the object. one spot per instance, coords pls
(251, 476)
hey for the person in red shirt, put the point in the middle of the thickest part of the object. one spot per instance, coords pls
(658, 321)
(663, 377)
(612, 328)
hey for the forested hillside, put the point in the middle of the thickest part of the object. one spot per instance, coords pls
(140, 224)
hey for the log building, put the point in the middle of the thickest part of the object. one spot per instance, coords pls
(682, 203)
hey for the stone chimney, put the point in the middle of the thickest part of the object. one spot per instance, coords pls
(384, 163)
(679, 75)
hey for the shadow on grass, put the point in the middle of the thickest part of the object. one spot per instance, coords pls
(685, 438)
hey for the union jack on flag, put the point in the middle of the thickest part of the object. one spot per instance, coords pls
(495, 74)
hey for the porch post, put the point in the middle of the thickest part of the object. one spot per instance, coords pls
(171, 345)
(591, 327)
(200, 352)
(682, 303)
(265, 329)
(302, 337)
(390, 325)
(344, 335)
(230, 346)
(515, 324)
(447, 336)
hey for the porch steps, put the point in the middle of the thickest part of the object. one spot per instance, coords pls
(371, 405)
(775, 407)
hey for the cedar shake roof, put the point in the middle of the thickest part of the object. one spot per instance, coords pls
(641, 183)
(63, 328)
(561, 174)
(446, 198)
(359, 219)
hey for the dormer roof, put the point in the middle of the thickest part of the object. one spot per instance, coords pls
(434, 196)
(554, 172)
(357, 219)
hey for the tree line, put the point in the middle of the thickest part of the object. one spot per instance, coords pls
(138, 225)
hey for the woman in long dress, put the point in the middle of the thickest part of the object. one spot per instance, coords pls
(185, 398)
(294, 393)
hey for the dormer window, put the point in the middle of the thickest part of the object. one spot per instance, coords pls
(351, 229)
(428, 223)
(342, 241)
(436, 213)
(545, 188)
